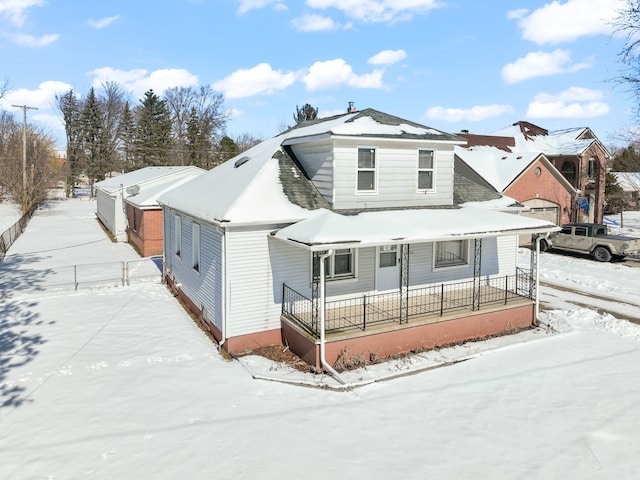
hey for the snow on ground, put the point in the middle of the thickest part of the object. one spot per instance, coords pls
(9, 214)
(118, 383)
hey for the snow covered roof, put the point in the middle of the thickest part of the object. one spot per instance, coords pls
(367, 123)
(248, 188)
(498, 167)
(149, 192)
(628, 181)
(327, 229)
(570, 141)
(145, 175)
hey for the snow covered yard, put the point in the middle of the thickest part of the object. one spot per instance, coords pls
(119, 383)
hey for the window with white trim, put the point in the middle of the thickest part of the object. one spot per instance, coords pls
(366, 170)
(425, 169)
(178, 235)
(451, 253)
(340, 264)
(195, 251)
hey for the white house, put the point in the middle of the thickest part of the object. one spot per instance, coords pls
(112, 193)
(341, 238)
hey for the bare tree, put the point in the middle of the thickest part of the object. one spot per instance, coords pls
(27, 186)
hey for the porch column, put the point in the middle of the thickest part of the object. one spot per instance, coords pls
(477, 256)
(533, 264)
(404, 283)
(315, 290)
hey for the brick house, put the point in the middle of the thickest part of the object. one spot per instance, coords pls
(574, 154)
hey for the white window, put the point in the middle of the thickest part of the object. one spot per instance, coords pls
(366, 170)
(425, 169)
(451, 253)
(195, 251)
(340, 264)
(178, 235)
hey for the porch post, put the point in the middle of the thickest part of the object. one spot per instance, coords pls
(315, 290)
(404, 283)
(477, 256)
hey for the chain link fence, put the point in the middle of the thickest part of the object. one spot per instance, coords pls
(11, 234)
(19, 278)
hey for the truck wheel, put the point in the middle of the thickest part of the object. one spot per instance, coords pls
(544, 246)
(601, 254)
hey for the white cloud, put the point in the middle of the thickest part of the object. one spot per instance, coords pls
(575, 102)
(138, 81)
(16, 10)
(473, 114)
(558, 22)
(42, 98)
(314, 23)
(261, 79)
(387, 57)
(538, 64)
(247, 5)
(377, 10)
(31, 41)
(103, 22)
(337, 73)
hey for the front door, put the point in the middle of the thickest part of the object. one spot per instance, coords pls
(388, 268)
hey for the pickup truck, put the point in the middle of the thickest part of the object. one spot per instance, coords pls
(592, 239)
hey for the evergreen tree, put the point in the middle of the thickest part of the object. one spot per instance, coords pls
(126, 137)
(153, 132)
(70, 109)
(305, 113)
(627, 160)
(92, 126)
(228, 148)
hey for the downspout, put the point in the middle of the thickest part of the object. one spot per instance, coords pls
(323, 359)
(225, 303)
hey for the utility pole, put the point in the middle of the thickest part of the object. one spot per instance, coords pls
(24, 144)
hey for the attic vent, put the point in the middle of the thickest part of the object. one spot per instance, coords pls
(504, 158)
(519, 157)
(240, 162)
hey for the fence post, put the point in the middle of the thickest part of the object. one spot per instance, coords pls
(364, 312)
(125, 278)
(441, 299)
(75, 277)
(506, 287)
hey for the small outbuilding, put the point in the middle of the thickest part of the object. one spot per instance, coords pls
(127, 204)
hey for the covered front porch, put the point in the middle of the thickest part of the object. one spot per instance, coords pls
(443, 301)
(364, 327)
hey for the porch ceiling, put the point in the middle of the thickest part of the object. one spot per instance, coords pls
(327, 229)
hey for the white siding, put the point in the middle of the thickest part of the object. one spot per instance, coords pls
(396, 176)
(106, 210)
(203, 287)
(317, 161)
(252, 295)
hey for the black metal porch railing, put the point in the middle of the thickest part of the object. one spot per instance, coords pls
(373, 309)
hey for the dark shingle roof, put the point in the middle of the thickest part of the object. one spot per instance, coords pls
(296, 186)
(468, 186)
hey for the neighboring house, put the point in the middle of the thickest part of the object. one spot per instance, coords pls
(576, 153)
(630, 184)
(528, 177)
(342, 238)
(127, 204)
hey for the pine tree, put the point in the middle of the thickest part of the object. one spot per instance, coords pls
(305, 113)
(126, 138)
(153, 132)
(70, 109)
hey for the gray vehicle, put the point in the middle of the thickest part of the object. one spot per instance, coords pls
(592, 239)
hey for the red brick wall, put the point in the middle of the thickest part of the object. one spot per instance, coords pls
(145, 230)
(544, 186)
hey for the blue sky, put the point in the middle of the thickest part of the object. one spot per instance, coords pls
(448, 64)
